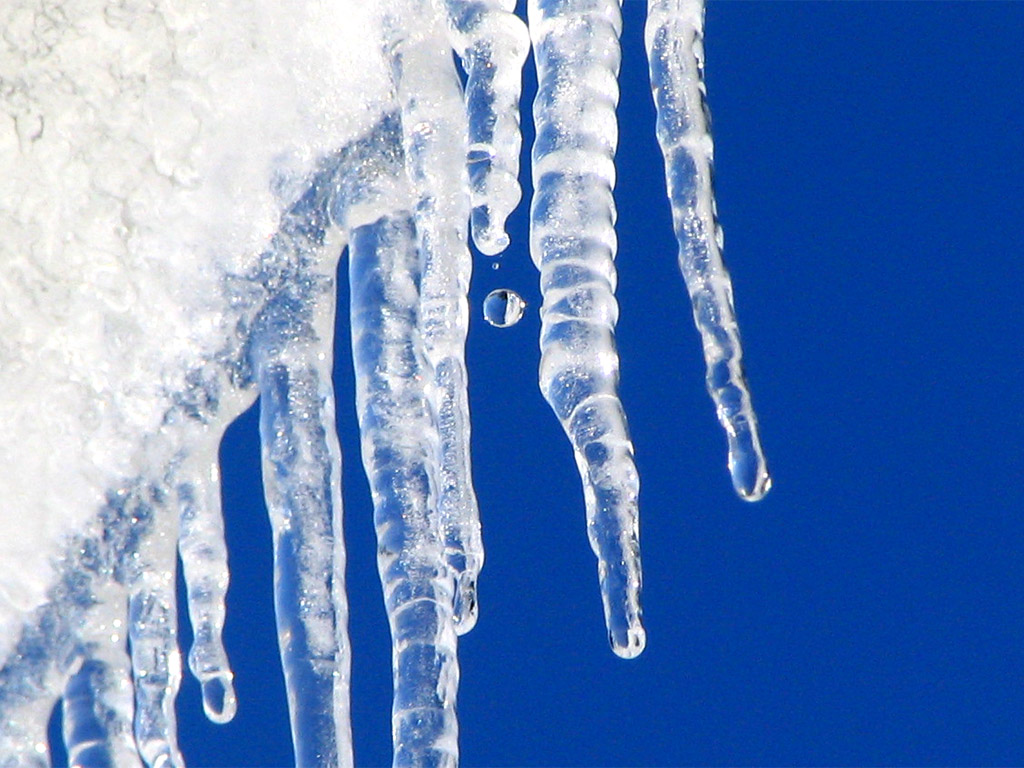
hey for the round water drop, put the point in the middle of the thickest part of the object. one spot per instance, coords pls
(503, 308)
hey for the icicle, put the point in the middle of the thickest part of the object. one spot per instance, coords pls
(434, 140)
(572, 241)
(492, 44)
(153, 632)
(399, 447)
(204, 559)
(675, 50)
(437, 162)
(301, 476)
(97, 701)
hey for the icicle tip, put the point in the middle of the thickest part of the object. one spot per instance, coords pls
(219, 701)
(630, 643)
(748, 466)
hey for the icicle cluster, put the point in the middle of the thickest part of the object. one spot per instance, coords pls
(95, 625)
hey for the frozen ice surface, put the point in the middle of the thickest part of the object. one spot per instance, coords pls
(177, 182)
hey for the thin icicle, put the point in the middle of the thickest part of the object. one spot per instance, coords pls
(204, 559)
(399, 447)
(434, 140)
(153, 631)
(675, 49)
(492, 43)
(572, 241)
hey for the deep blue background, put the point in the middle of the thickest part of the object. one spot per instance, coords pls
(870, 170)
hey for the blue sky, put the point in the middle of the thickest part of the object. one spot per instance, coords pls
(870, 170)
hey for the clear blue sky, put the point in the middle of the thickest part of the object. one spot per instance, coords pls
(870, 170)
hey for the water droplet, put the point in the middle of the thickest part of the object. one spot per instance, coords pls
(503, 308)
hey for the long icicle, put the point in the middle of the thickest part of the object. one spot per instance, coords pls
(572, 242)
(399, 447)
(292, 356)
(675, 50)
(434, 140)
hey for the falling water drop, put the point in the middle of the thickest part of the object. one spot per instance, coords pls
(503, 308)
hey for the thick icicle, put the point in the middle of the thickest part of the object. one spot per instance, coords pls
(153, 631)
(204, 559)
(97, 703)
(492, 44)
(434, 140)
(399, 447)
(572, 241)
(301, 465)
(292, 357)
(300, 468)
(675, 49)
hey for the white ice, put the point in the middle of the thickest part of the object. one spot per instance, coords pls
(177, 182)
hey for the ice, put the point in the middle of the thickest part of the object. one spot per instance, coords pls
(675, 49)
(434, 138)
(573, 244)
(178, 181)
(204, 560)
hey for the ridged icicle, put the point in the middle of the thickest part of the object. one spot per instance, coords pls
(434, 141)
(572, 241)
(97, 706)
(399, 447)
(153, 635)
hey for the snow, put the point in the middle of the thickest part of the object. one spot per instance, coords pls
(178, 181)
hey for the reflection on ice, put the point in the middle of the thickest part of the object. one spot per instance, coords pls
(503, 308)
(178, 184)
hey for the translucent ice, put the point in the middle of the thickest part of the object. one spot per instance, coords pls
(177, 183)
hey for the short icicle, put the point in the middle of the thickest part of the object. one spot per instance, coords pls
(572, 242)
(204, 560)
(492, 43)
(434, 141)
(675, 50)
(399, 447)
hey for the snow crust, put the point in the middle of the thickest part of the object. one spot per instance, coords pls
(137, 141)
